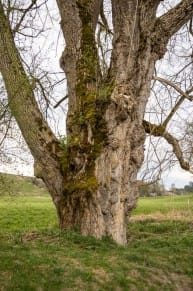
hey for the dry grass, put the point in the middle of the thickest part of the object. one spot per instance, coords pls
(173, 215)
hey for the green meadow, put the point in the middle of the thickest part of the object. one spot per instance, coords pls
(36, 255)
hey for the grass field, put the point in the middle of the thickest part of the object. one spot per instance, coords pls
(35, 255)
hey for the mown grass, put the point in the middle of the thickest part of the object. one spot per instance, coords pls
(35, 255)
(20, 214)
(165, 204)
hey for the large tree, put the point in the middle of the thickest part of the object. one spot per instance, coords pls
(92, 177)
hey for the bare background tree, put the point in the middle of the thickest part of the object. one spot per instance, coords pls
(92, 173)
(170, 106)
(31, 23)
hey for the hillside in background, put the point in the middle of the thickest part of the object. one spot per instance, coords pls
(20, 185)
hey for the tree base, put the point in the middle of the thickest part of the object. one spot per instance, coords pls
(85, 212)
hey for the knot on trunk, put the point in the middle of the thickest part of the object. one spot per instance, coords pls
(114, 142)
(38, 170)
(125, 103)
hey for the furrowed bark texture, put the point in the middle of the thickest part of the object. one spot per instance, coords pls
(105, 123)
(105, 115)
(92, 178)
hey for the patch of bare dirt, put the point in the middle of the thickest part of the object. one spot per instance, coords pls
(33, 236)
(101, 275)
(29, 236)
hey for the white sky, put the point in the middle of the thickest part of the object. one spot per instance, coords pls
(176, 176)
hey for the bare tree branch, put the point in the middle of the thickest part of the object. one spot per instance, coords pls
(104, 20)
(191, 27)
(60, 101)
(33, 2)
(159, 130)
(174, 19)
(178, 89)
(184, 95)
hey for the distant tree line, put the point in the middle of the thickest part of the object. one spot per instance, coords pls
(158, 189)
(152, 190)
(8, 185)
(187, 189)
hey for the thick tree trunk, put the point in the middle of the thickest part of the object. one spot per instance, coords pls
(101, 185)
(105, 131)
